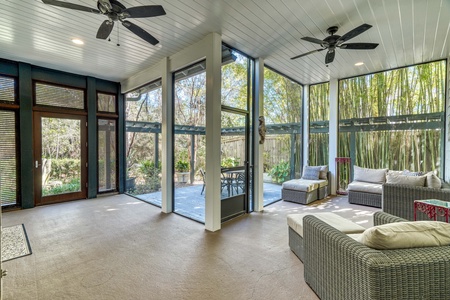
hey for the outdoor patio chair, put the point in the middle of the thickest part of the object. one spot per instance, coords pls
(203, 173)
(239, 182)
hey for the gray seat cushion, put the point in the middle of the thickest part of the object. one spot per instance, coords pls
(304, 185)
(365, 187)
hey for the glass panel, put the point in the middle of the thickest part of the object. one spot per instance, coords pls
(234, 79)
(52, 95)
(189, 142)
(319, 115)
(107, 167)
(233, 154)
(8, 159)
(7, 89)
(395, 118)
(143, 136)
(106, 103)
(61, 156)
(282, 146)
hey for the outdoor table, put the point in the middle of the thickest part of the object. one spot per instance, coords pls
(433, 208)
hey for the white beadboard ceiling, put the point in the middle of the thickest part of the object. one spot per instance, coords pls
(408, 31)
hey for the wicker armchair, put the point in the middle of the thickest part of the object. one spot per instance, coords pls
(338, 267)
(398, 200)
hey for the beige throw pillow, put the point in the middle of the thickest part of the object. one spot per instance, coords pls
(433, 181)
(369, 175)
(323, 172)
(407, 235)
(406, 180)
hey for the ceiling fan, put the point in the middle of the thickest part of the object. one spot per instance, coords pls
(115, 11)
(336, 41)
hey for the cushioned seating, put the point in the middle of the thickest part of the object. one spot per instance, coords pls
(366, 187)
(313, 185)
(304, 185)
(337, 266)
(295, 224)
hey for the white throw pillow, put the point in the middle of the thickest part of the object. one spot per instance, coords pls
(407, 235)
(433, 181)
(395, 172)
(323, 172)
(369, 175)
(406, 180)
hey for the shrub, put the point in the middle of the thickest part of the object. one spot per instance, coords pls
(148, 168)
(281, 172)
(182, 166)
(229, 162)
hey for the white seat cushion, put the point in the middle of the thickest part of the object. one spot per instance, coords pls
(366, 187)
(295, 221)
(304, 185)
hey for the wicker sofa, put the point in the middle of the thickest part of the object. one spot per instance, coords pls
(338, 267)
(398, 200)
(306, 191)
(366, 188)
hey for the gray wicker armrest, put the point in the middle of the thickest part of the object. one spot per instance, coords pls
(338, 267)
(380, 218)
(398, 200)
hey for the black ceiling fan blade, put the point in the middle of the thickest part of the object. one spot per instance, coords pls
(313, 40)
(307, 53)
(71, 6)
(330, 57)
(352, 33)
(359, 46)
(140, 32)
(145, 11)
(105, 30)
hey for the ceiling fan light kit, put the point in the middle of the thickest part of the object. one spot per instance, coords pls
(116, 11)
(334, 41)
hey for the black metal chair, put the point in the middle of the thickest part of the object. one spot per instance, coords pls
(203, 173)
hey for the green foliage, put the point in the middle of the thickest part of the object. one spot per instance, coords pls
(229, 162)
(72, 186)
(416, 90)
(282, 99)
(182, 166)
(148, 168)
(65, 169)
(280, 172)
(150, 173)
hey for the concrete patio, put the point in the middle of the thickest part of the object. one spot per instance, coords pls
(190, 202)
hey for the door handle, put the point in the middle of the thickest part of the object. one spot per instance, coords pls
(37, 164)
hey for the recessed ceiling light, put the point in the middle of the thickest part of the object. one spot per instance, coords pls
(77, 41)
(359, 63)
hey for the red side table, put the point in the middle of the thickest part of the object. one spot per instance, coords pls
(432, 208)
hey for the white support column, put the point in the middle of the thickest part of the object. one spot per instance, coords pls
(334, 132)
(258, 168)
(305, 126)
(213, 128)
(447, 127)
(166, 133)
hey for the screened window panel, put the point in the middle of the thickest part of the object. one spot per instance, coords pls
(106, 103)
(8, 159)
(107, 166)
(7, 89)
(58, 96)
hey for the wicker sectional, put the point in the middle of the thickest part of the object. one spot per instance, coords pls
(338, 267)
(398, 200)
(362, 198)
